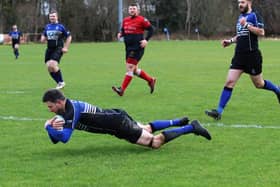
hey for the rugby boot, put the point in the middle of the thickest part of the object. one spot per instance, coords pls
(118, 90)
(152, 85)
(278, 96)
(60, 85)
(214, 114)
(199, 130)
(183, 121)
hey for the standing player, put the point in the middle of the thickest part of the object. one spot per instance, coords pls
(55, 33)
(132, 30)
(247, 57)
(83, 116)
(15, 37)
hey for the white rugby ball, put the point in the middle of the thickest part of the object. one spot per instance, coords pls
(59, 118)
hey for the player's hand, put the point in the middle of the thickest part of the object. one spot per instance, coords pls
(143, 43)
(119, 35)
(226, 43)
(43, 39)
(243, 21)
(64, 50)
(49, 122)
(58, 125)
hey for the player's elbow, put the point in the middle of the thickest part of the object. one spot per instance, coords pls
(65, 140)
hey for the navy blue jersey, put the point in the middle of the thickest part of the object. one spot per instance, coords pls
(246, 40)
(73, 114)
(55, 34)
(15, 35)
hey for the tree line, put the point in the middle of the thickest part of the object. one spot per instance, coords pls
(97, 20)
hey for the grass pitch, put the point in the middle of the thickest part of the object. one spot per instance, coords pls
(190, 76)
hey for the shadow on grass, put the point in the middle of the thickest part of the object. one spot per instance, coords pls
(96, 150)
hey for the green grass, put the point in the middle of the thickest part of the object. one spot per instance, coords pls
(190, 76)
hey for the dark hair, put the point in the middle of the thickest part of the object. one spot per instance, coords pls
(53, 11)
(134, 4)
(52, 95)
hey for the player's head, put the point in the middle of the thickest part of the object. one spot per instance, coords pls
(14, 27)
(245, 6)
(53, 16)
(55, 101)
(133, 9)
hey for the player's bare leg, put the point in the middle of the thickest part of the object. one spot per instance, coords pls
(55, 73)
(260, 83)
(232, 78)
(130, 68)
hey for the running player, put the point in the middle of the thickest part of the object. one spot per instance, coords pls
(132, 30)
(55, 33)
(15, 36)
(247, 57)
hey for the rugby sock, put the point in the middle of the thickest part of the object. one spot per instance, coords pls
(127, 79)
(143, 75)
(225, 97)
(59, 76)
(53, 75)
(163, 124)
(16, 52)
(270, 86)
(176, 132)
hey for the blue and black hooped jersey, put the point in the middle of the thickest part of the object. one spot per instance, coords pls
(246, 40)
(73, 114)
(15, 35)
(55, 34)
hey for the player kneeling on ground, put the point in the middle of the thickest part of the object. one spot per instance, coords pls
(83, 116)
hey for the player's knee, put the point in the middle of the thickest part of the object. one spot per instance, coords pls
(145, 138)
(52, 66)
(158, 141)
(230, 83)
(146, 127)
(259, 85)
(130, 67)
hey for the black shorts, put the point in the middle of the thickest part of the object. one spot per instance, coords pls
(14, 43)
(53, 54)
(250, 62)
(111, 121)
(135, 54)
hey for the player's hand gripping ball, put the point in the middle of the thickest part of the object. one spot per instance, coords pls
(58, 122)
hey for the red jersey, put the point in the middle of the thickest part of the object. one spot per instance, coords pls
(135, 25)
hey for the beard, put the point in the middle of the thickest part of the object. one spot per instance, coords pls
(244, 10)
(60, 112)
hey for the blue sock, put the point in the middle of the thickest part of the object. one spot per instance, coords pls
(270, 86)
(163, 124)
(225, 97)
(176, 132)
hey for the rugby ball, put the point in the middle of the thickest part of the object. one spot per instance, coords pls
(59, 118)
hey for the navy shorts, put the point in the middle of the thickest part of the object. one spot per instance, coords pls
(115, 122)
(53, 54)
(250, 62)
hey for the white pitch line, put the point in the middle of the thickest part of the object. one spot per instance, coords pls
(14, 118)
(12, 92)
(242, 126)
